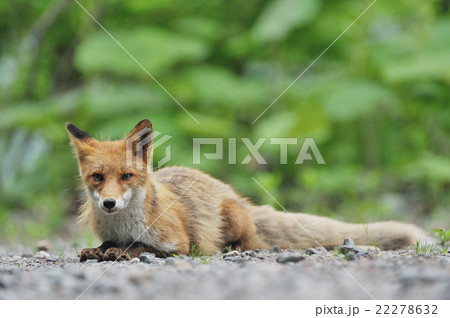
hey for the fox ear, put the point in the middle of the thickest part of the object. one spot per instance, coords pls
(77, 133)
(139, 144)
(81, 142)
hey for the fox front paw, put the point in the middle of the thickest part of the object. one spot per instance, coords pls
(116, 254)
(91, 253)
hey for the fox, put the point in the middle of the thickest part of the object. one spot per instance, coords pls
(133, 209)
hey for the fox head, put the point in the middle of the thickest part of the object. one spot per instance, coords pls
(114, 173)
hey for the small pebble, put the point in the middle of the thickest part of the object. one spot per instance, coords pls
(349, 246)
(91, 261)
(135, 261)
(148, 258)
(275, 249)
(42, 255)
(312, 251)
(289, 257)
(351, 256)
(349, 242)
(249, 253)
(231, 254)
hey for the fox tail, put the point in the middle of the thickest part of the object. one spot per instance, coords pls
(298, 230)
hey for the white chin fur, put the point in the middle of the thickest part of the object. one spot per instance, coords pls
(130, 223)
(121, 203)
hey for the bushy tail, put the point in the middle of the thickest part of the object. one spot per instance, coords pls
(298, 230)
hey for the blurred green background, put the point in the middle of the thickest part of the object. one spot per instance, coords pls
(376, 103)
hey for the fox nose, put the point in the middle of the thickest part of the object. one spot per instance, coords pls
(109, 203)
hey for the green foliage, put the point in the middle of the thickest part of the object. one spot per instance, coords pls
(376, 103)
(77, 252)
(156, 49)
(60, 252)
(444, 238)
(196, 252)
(270, 27)
(423, 247)
(337, 253)
(370, 239)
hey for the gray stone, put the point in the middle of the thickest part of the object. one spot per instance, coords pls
(236, 260)
(249, 253)
(275, 249)
(170, 260)
(347, 249)
(289, 257)
(148, 258)
(351, 256)
(135, 260)
(52, 259)
(231, 254)
(349, 246)
(312, 251)
(42, 255)
(349, 242)
(92, 261)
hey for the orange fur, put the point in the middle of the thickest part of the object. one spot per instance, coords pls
(179, 207)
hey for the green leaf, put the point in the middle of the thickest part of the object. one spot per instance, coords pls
(303, 122)
(430, 168)
(351, 100)
(199, 26)
(157, 50)
(210, 126)
(282, 16)
(428, 65)
(211, 82)
(109, 99)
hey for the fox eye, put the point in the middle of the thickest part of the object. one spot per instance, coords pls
(126, 177)
(97, 177)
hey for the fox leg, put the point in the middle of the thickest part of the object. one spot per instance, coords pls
(130, 251)
(238, 225)
(117, 254)
(96, 253)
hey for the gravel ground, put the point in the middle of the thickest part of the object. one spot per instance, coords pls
(259, 274)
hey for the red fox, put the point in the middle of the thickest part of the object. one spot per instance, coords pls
(167, 212)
